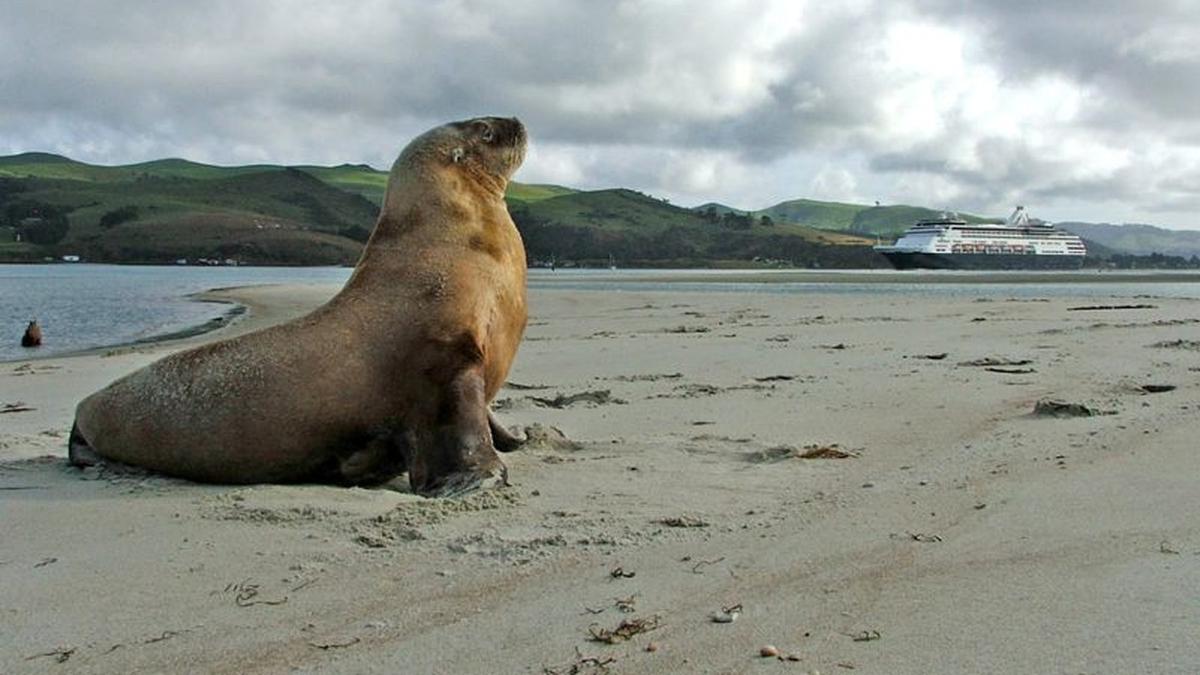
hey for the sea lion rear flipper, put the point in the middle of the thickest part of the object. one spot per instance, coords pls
(460, 457)
(502, 438)
(79, 451)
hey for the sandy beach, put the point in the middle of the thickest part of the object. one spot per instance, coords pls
(859, 480)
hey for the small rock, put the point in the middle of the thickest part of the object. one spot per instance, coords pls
(768, 651)
(652, 646)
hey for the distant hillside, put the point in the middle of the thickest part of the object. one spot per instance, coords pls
(1139, 239)
(857, 218)
(169, 209)
(633, 228)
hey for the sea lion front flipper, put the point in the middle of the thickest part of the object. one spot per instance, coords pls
(459, 457)
(502, 438)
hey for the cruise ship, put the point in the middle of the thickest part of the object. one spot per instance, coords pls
(1020, 243)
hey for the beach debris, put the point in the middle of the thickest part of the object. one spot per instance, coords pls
(815, 451)
(775, 378)
(626, 605)
(651, 646)
(1093, 308)
(727, 614)
(595, 397)
(1051, 408)
(979, 318)
(624, 630)
(619, 572)
(811, 451)
(525, 387)
(325, 646)
(1164, 546)
(161, 637)
(591, 663)
(865, 636)
(682, 521)
(705, 563)
(17, 407)
(647, 377)
(839, 346)
(932, 357)
(31, 369)
(46, 561)
(60, 655)
(768, 651)
(779, 338)
(1157, 388)
(1010, 371)
(994, 361)
(542, 437)
(690, 391)
(924, 538)
(32, 336)
(688, 329)
(247, 594)
(1192, 345)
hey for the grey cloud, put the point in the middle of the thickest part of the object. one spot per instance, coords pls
(624, 87)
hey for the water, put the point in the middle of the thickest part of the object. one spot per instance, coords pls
(89, 306)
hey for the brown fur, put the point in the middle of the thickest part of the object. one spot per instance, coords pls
(394, 372)
(32, 336)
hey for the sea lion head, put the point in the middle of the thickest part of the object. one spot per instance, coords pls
(486, 149)
(494, 144)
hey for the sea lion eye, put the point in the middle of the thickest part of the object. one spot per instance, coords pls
(485, 131)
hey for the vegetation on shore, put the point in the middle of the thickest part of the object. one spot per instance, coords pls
(174, 209)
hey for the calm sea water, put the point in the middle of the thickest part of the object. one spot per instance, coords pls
(88, 306)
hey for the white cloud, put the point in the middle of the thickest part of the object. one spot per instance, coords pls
(937, 102)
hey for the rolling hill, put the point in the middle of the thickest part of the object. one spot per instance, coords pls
(164, 210)
(638, 229)
(858, 219)
(170, 209)
(1139, 239)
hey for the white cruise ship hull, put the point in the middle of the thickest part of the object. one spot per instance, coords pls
(907, 260)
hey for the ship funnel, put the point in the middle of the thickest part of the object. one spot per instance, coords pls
(1019, 217)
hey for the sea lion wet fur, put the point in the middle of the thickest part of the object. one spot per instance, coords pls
(394, 373)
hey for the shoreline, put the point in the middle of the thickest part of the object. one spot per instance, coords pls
(887, 277)
(230, 295)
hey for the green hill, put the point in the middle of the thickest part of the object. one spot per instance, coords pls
(1139, 239)
(632, 228)
(169, 209)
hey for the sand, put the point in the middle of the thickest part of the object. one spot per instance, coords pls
(941, 527)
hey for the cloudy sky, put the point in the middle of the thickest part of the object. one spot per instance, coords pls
(1079, 110)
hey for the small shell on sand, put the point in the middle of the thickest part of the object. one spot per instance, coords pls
(726, 616)
(767, 651)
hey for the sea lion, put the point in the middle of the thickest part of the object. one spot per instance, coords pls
(32, 336)
(394, 373)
